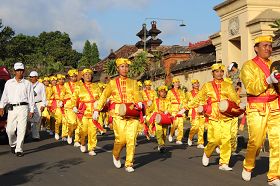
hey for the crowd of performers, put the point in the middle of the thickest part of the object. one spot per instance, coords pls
(75, 111)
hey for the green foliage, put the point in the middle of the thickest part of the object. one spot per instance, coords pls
(6, 35)
(139, 65)
(90, 55)
(95, 54)
(276, 25)
(111, 68)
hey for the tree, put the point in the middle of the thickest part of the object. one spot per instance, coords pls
(139, 65)
(110, 67)
(95, 54)
(276, 25)
(6, 35)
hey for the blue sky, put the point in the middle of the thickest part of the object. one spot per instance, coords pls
(112, 23)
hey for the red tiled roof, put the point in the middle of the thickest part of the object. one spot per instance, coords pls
(200, 44)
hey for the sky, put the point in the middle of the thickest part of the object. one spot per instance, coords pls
(112, 23)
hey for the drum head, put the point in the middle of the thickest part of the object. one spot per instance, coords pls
(122, 110)
(275, 66)
(223, 105)
(200, 109)
(158, 118)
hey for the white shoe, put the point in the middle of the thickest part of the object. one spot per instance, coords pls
(92, 153)
(179, 143)
(170, 139)
(205, 160)
(116, 162)
(50, 133)
(56, 136)
(218, 150)
(200, 146)
(189, 142)
(225, 167)
(77, 144)
(83, 148)
(246, 175)
(234, 154)
(69, 140)
(274, 182)
(129, 169)
(64, 139)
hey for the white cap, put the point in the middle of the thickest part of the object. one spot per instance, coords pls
(18, 66)
(230, 66)
(33, 73)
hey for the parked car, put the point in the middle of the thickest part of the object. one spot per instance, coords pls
(4, 76)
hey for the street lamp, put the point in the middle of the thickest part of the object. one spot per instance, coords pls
(157, 18)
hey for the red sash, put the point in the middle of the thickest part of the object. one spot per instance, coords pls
(262, 66)
(58, 92)
(176, 96)
(71, 87)
(119, 88)
(193, 110)
(208, 109)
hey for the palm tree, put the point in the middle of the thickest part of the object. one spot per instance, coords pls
(111, 68)
(276, 25)
(139, 65)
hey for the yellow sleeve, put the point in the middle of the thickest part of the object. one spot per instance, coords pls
(104, 96)
(232, 94)
(201, 97)
(75, 95)
(137, 94)
(253, 79)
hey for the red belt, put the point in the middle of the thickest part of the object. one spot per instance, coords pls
(261, 99)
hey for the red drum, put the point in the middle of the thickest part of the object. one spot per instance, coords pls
(129, 110)
(230, 108)
(163, 119)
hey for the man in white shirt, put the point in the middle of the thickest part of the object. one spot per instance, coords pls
(18, 96)
(40, 104)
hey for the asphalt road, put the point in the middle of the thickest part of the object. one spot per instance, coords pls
(49, 162)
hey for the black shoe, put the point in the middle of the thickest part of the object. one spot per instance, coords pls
(19, 154)
(36, 139)
(162, 150)
(13, 150)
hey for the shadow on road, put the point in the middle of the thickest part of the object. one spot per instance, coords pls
(262, 166)
(45, 147)
(27, 173)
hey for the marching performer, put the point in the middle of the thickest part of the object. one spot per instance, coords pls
(70, 116)
(122, 90)
(40, 104)
(177, 100)
(87, 94)
(58, 92)
(219, 127)
(46, 117)
(197, 120)
(263, 115)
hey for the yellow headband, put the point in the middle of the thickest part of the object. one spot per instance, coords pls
(162, 87)
(73, 72)
(121, 61)
(40, 80)
(228, 80)
(86, 70)
(260, 39)
(194, 81)
(147, 82)
(60, 76)
(46, 79)
(175, 80)
(139, 84)
(52, 78)
(217, 66)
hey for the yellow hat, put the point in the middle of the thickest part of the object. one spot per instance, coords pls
(228, 80)
(121, 61)
(175, 80)
(263, 39)
(60, 76)
(87, 70)
(40, 80)
(73, 72)
(217, 66)
(147, 82)
(46, 79)
(194, 81)
(162, 87)
(52, 78)
(139, 83)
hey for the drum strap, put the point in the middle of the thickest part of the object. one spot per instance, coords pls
(147, 94)
(90, 94)
(119, 88)
(59, 92)
(176, 95)
(217, 92)
(194, 93)
(262, 66)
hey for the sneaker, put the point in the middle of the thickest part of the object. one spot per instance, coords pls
(129, 169)
(189, 142)
(56, 136)
(92, 153)
(225, 167)
(64, 139)
(205, 160)
(234, 154)
(170, 139)
(218, 150)
(19, 154)
(161, 149)
(69, 140)
(116, 162)
(83, 148)
(13, 149)
(179, 143)
(274, 182)
(77, 144)
(246, 175)
(200, 146)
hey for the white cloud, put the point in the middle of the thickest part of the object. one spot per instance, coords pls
(70, 16)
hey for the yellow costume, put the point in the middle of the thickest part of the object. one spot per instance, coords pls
(46, 113)
(219, 127)
(122, 90)
(263, 116)
(177, 101)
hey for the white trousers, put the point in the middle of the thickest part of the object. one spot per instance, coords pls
(16, 126)
(36, 121)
